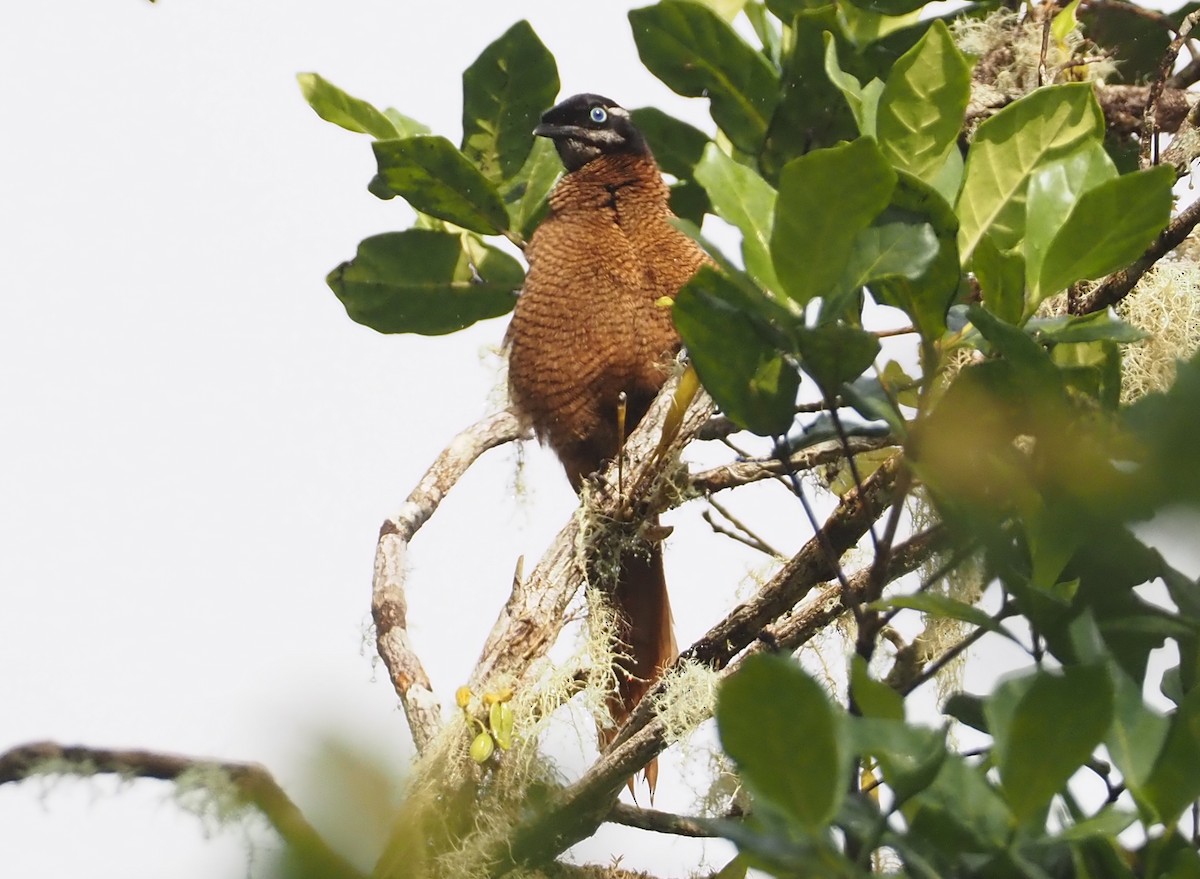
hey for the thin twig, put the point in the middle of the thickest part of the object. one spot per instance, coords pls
(1149, 118)
(254, 784)
(740, 532)
(389, 607)
(659, 822)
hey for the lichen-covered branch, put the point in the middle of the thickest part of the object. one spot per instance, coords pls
(579, 809)
(253, 784)
(531, 619)
(389, 607)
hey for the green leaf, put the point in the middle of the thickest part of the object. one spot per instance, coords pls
(890, 7)
(944, 607)
(1065, 22)
(778, 724)
(811, 244)
(892, 247)
(1034, 754)
(505, 91)
(910, 756)
(437, 179)
(834, 354)
(1014, 343)
(925, 290)
(1009, 147)
(696, 53)
(863, 102)
(960, 811)
(676, 145)
(421, 281)
(1001, 276)
(811, 113)
(405, 126)
(745, 200)
(525, 194)
(334, 105)
(1174, 782)
(1136, 736)
(923, 103)
(1109, 227)
(1054, 190)
(1099, 326)
(747, 376)
(873, 698)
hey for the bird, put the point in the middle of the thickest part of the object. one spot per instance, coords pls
(590, 335)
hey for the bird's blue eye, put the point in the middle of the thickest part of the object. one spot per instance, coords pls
(599, 115)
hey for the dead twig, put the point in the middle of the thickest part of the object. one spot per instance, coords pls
(389, 608)
(1150, 117)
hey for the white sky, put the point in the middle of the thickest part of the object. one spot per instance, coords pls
(199, 446)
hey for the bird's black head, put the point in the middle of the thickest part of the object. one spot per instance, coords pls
(585, 127)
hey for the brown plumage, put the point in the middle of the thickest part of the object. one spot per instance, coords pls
(587, 326)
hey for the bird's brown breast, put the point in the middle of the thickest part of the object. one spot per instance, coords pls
(588, 324)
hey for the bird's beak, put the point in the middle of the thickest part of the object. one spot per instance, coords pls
(548, 129)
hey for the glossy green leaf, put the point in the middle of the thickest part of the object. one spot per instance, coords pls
(1064, 22)
(811, 113)
(923, 103)
(727, 9)
(437, 179)
(405, 126)
(811, 245)
(1034, 754)
(863, 102)
(1174, 782)
(931, 278)
(835, 354)
(677, 146)
(1001, 276)
(420, 281)
(334, 105)
(525, 194)
(1008, 148)
(1109, 227)
(742, 198)
(800, 768)
(505, 91)
(745, 374)
(1053, 192)
(696, 53)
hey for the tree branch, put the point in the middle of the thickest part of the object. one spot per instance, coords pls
(389, 608)
(576, 812)
(535, 612)
(254, 784)
(659, 822)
